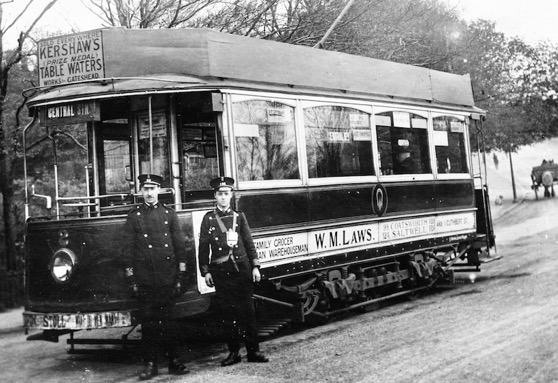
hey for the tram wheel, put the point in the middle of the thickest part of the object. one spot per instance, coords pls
(413, 295)
(310, 301)
(373, 305)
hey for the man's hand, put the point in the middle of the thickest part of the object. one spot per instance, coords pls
(256, 276)
(182, 276)
(177, 289)
(133, 289)
(209, 280)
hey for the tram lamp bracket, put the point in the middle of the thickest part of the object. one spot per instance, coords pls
(47, 198)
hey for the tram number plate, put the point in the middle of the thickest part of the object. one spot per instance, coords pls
(80, 321)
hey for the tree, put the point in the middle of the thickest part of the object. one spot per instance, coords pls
(422, 33)
(516, 83)
(148, 14)
(279, 20)
(9, 62)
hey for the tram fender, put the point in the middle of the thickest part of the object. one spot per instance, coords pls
(49, 335)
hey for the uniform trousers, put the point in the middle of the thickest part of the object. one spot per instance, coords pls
(234, 291)
(159, 327)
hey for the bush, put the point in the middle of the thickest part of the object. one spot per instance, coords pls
(11, 288)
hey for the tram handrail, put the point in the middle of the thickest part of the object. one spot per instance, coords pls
(123, 196)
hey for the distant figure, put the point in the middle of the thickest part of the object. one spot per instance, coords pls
(496, 161)
(405, 163)
(499, 200)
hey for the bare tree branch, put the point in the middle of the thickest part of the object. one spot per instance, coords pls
(18, 16)
(16, 55)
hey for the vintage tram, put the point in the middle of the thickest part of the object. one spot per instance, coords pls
(316, 140)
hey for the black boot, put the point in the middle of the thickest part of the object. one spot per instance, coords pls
(233, 358)
(257, 357)
(177, 368)
(150, 371)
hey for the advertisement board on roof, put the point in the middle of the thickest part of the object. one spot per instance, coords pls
(69, 59)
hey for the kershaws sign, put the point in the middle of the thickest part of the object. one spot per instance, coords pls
(68, 59)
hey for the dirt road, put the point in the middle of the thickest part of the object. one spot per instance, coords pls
(501, 328)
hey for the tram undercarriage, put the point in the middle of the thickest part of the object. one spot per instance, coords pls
(328, 292)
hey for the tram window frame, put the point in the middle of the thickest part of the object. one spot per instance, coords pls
(365, 110)
(410, 136)
(64, 166)
(451, 135)
(165, 172)
(234, 128)
(113, 133)
(199, 155)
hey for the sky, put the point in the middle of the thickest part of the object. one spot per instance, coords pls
(531, 20)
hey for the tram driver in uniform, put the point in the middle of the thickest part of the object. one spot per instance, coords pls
(232, 269)
(155, 260)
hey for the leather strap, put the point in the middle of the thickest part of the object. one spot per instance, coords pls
(222, 225)
(224, 230)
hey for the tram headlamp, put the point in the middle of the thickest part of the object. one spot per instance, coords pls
(63, 265)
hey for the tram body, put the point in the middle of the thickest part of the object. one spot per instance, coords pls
(311, 137)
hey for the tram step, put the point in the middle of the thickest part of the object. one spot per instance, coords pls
(102, 341)
(269, 328)
(491, 259)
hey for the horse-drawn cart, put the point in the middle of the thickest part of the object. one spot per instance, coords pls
(545, 175)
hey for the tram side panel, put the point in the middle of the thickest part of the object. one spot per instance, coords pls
(348, 250)
(345, 202)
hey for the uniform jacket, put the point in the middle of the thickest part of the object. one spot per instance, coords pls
(212, 237)
(153, 245)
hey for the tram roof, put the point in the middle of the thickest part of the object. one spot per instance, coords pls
(148, 60)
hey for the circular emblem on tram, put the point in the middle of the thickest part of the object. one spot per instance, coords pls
(379, 200)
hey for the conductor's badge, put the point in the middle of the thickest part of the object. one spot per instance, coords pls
(232, 238)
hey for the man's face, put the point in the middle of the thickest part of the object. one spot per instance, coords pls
(150, 193)
(403, 156)
(223, 197)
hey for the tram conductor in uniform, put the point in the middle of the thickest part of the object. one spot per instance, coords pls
(229, 262)
(155, 261)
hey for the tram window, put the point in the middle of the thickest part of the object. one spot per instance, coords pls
(114, 158)
(160, 155)
(117, 158)
(338, 142)
(265, 141)
(402, 143)
(199, 155)
(65, 146)
(449, 140)
(71, 150)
